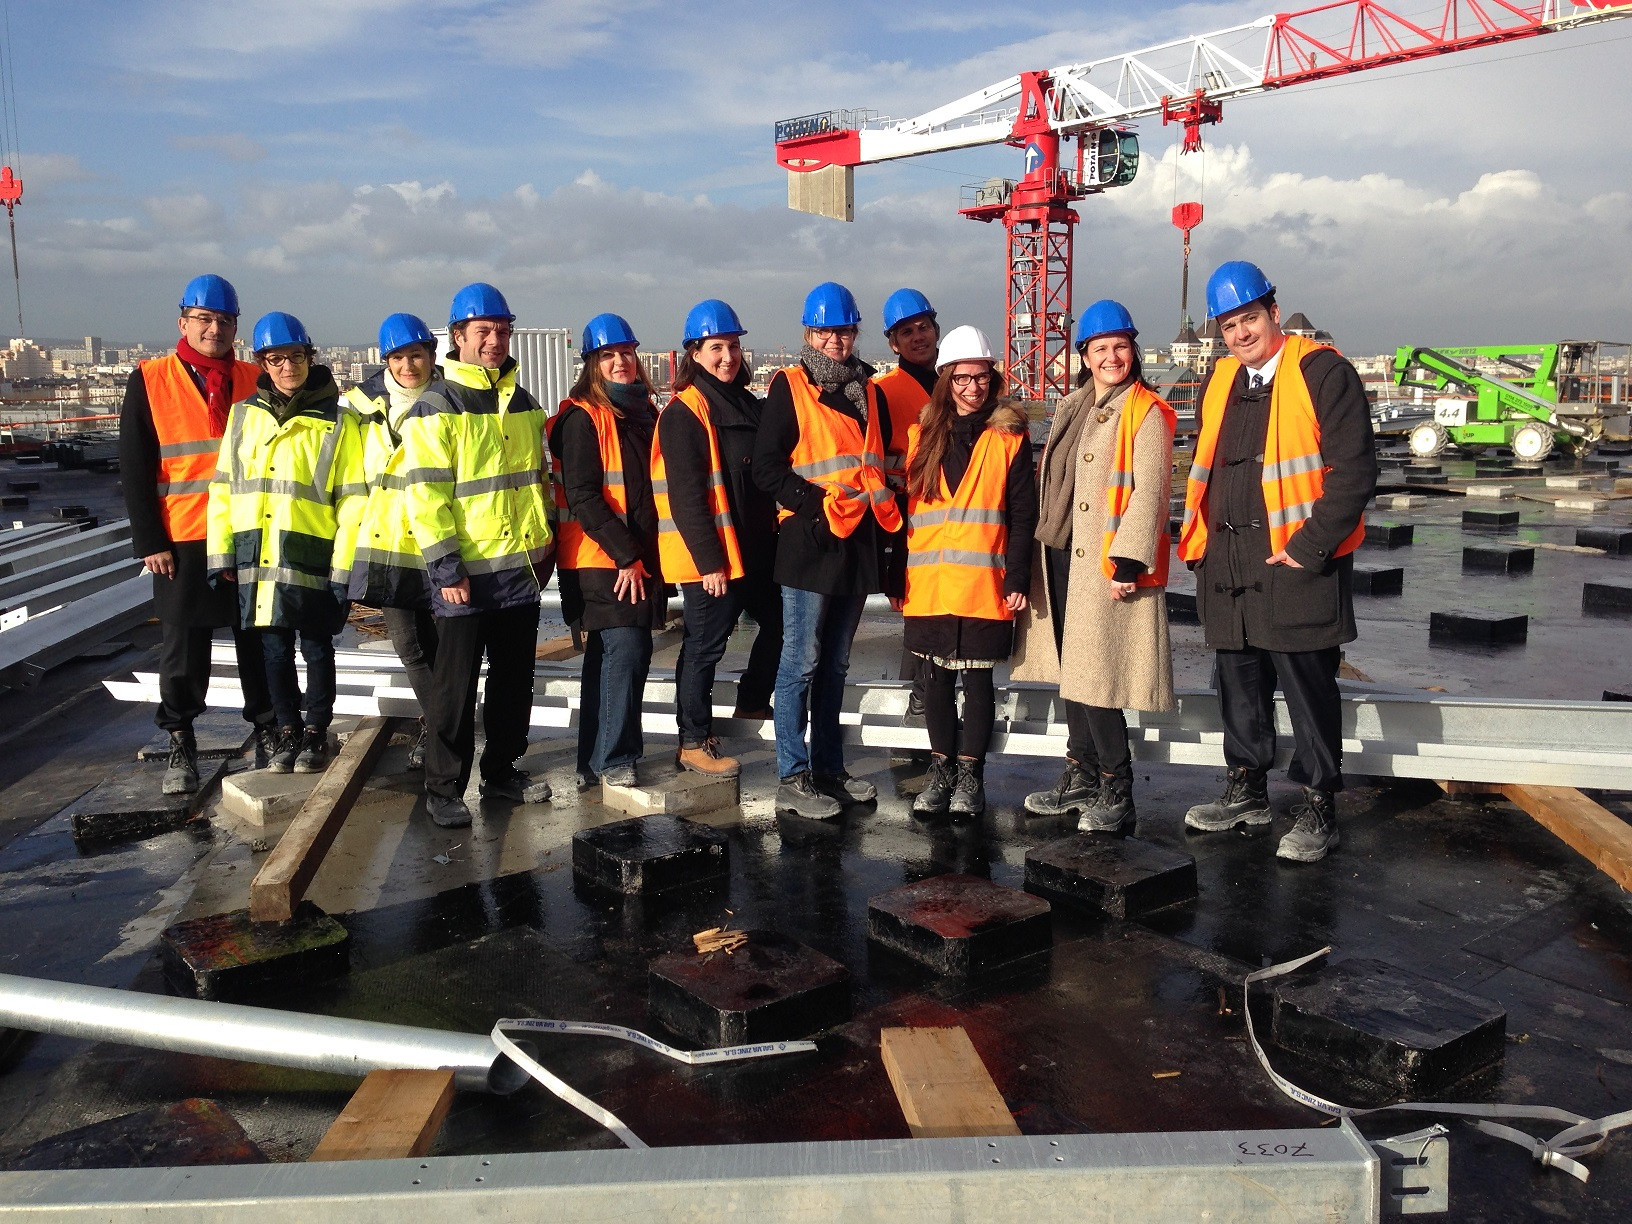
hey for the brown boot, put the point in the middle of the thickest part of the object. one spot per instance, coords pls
(706, 758)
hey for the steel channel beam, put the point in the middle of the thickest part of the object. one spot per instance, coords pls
(56, 547)
(27, 651)
(1228, 1177)
(70, 587)
(66, 567)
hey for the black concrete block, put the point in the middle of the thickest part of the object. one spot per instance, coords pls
(193, 1132)
(85, 521)
(1498, 519)
(1378, 579)
(1616, 541)
(1389, 535)
(1478, 625)
(1120, 876)
(132, 804)
(1600, 464)
(1393, 461)
(219, 734)
(1181, 607)
(1503, 558)
(1424, 469)
(1426, 478)
(1607, 595)
(1173, 527)
(959, 925)
(774, 989)
(647, 854)
(30, 460)
(1615, 695)
(1388, 1026)
(227, 956)
(13, 501)
(23, 486)
(71, 512)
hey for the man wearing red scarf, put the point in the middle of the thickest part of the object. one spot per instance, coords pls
(170, 428)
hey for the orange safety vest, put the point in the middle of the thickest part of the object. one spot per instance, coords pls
(188, 446)
(673, 554)
(906, 400)
(956, 543)
(833, 452)
(1119, 485)
(574, 548)
(1294, 472)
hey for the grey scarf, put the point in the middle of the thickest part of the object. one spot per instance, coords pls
(1059, 489)
(831, 375)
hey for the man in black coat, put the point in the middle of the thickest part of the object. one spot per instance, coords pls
(1273, 587)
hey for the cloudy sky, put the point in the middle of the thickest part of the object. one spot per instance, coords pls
(347, 158)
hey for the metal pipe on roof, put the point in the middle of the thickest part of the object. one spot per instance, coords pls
(330, 1044)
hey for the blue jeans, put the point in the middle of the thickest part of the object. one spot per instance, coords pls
(614, 678)
(816, 634)
(278, 649)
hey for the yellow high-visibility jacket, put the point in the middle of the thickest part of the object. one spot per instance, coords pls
(387, 568)
(478, 487)
(284, 507)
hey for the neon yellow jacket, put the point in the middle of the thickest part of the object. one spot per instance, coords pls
(387, 569)
(284, 507)
(478, 487)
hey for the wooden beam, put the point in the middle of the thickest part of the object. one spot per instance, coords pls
(288, 871)
(1457, 789)
(1586, 827)
(393, 1115)
(943, 1087)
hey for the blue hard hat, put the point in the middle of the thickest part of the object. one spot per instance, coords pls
(1102, 319)
(830, 304)
(605, 329)
(279, 330)
(479, 300)
(398, 331)
(711, 317)
(1235, 284)
(210, 292)
(905, 304)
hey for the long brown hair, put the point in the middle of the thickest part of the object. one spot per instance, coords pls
(591, 385)
(934, 431)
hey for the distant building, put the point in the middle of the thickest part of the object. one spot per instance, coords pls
(1299, 325)
(25, 359)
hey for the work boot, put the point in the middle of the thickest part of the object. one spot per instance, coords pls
(1315, 831)
(416, 754)
(798, 794)
(1112, 808)
(620, 775)
(1245, 801)
(706, 758)
(936, 797)
(969, 791)
(515, 785)
(284, 751)
(446, 813)
(586, 780)
(314, 751)
(844, 788)
(181, 769)
(265, 743)
(1075, 789)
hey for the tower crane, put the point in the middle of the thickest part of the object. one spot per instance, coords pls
(1186, 81)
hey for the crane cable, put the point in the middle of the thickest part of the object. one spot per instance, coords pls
(10, 149)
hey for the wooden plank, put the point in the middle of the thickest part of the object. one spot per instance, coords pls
(943, 1087)
(1455, 788)
(289, 869)
(393, 1114)
(557, 649)
(1588, 828)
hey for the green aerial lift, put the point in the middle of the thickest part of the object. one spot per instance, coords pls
(1519, 407)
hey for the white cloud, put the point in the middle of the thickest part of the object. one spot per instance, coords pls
(233, 146)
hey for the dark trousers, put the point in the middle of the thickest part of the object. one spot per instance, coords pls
(509, 638)
(616, 662)
(941, 709)
(413, 635)
(283, 682)
(1247, 680)
(710, 621)
(1096, 736)
(184, 675)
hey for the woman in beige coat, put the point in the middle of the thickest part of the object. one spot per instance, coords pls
(1098, 620)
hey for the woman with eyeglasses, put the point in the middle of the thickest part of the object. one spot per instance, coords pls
(607, 552)
(971, 512)
(821, 453)
(284, 507)
(1098, 608)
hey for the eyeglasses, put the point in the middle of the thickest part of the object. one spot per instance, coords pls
(223, 321)
(824, 332)
(285, 359)
(970, 380)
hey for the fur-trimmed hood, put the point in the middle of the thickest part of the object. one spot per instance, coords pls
(1008, 417)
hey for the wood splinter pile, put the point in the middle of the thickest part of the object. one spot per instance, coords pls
(719, 939)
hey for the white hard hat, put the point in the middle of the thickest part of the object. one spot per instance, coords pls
(964, 344)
